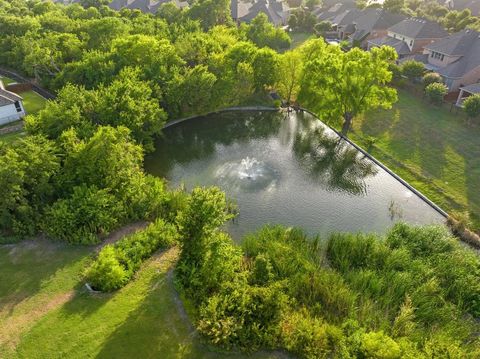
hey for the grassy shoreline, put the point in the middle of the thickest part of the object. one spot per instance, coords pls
(431, 148)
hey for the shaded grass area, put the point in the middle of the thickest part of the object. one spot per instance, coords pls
(47, 313)
(6, 81)
(33, 102)
(430, 147)
(12, 136)
(298, 38)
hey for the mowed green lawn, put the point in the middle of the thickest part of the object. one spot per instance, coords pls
(46, 312)
(32, 102)
(298, 38)
(432, 148)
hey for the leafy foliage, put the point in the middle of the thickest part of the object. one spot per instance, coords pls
(342, 85)
(27, 185)
(413, 69)
(436, 92)
(430, 78)
(116, 264)
(392, 297)
(471, 105)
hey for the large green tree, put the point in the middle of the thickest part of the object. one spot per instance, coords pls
(338, 85)
(27, 185)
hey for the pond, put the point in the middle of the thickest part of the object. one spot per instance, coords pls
(285, 169)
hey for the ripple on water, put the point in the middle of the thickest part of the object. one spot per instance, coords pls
(247, 174)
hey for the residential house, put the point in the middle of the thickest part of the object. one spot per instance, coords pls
(371, 24)
(466, 92)
(277, 12)
(328, 13)
(146, 6)
(11, 106)
(410, 36)
(343, 23)
(456, 58)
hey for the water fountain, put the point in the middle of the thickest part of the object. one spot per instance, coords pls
(248, 173)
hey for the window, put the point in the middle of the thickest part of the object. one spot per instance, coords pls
(18, 107)
(411, 42)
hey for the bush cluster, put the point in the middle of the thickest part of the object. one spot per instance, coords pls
(436, 92)
(410, 294)
(116, 264)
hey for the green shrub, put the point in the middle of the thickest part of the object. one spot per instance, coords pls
(436, 92)
(413, 69)
(348, 251)
(471, 105)
(431, 78)
(311, 337)
(420, 241)
(377, 345)
(242, 315)
(116, 264)
(27, 177)
(288, 250)
(326, 292)
(85, 217)
(107, 273)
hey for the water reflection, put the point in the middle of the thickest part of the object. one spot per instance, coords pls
(289, 170)
(197, 139)
(332, 161)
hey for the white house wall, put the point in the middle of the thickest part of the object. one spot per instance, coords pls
(9, 114)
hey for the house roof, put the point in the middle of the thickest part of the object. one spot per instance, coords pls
(473, 89)
(329, 13)
(464, 44)
(400, 46)
(273, 9)
(417, 28)
(423, 58)
(456, 44)
(8, 97)
(374, 19)
(346, 17)
(146, 6)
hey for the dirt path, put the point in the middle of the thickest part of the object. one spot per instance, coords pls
(13, 128)
(13, 326)
(120, 233)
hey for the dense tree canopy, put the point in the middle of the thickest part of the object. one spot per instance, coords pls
(343, 85)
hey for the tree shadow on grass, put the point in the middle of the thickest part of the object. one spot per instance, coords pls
(377, 123)
(160, 328)
(157, 328)
(29, 266)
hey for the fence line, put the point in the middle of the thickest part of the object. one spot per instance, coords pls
(19, 78)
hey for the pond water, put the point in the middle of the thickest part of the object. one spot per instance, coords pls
(290, 170)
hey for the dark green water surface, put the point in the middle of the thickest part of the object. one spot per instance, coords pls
(290, 170)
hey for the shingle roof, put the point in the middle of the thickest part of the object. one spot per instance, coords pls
(419, 29)
(374, 19)
(466, 45)
(346, 17)
(400, 46)
(7, 97)
(456, 44)
(329, 13)
(273, 10)
(473, 89)
(423, 58)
